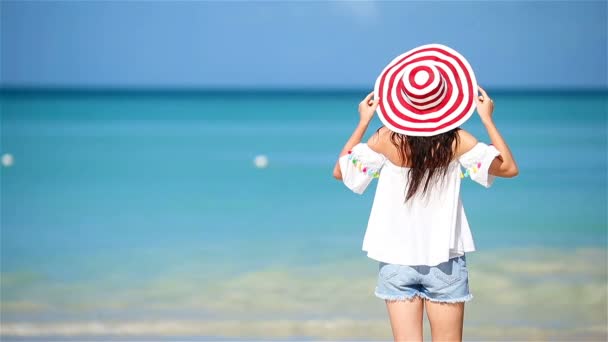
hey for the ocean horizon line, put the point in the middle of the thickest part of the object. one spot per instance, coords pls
(152, 90)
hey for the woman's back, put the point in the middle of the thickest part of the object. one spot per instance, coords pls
(383, 143)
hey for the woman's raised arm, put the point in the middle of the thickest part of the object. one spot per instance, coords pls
(367, 108)
(504, 165)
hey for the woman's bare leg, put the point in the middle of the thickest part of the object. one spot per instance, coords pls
(446, 320)
(406, 319)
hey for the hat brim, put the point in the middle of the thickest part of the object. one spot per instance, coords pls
(396, 111)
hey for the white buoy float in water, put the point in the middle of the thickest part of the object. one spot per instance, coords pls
(7, 160)
(260, 161)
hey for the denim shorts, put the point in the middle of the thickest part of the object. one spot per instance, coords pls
(446, 282)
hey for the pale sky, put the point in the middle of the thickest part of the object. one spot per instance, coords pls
(279, 44)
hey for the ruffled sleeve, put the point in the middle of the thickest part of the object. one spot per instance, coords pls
(476, 163)
(360, 166)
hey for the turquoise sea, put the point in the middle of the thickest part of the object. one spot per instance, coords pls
(140, 215)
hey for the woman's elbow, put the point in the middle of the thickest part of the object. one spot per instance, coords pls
(505, 170)
(337, 174)
(511, 172)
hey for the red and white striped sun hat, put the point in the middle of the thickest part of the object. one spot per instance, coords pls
(426, 91)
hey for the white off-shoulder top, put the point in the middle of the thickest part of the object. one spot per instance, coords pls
(427, 229)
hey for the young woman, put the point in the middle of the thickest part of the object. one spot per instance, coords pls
(417, 229)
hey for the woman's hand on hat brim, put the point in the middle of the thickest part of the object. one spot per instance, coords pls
(485, 105)
(367, 107)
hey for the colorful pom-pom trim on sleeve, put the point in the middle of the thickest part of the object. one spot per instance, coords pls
(473, 169)
(362, 168)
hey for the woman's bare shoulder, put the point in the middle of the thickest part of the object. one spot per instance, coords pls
(380, 140)
(466, 141)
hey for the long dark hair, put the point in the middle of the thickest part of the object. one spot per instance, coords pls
(429, 157)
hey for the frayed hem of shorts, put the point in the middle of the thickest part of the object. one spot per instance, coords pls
(393, 298)
(466, 298)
